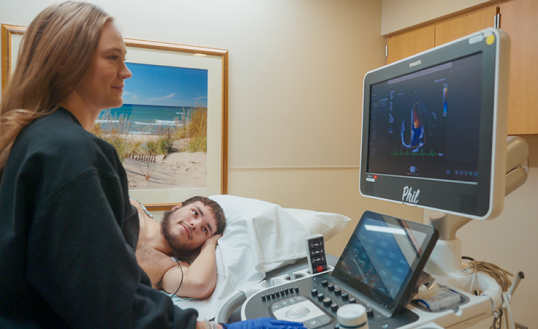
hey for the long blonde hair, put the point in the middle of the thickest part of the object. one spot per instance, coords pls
(55, 52)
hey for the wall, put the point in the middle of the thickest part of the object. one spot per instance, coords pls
(398, 15)
(295, 89)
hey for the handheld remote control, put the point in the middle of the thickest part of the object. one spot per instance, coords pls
(315, 250)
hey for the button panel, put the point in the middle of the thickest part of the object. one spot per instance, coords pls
(333, 292)
(277, 294)
(317, 311)
(315, 248)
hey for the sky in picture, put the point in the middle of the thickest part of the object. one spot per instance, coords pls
(165, 86)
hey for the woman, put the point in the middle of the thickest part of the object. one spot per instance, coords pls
(68, 233)
(67, 230)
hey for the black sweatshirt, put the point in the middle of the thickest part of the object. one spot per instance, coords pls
(68, 236)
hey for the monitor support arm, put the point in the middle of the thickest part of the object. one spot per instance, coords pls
(447, 225)
(445, 261)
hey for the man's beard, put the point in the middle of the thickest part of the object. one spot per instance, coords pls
(179, 252)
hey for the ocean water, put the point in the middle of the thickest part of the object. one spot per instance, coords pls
(144, 119)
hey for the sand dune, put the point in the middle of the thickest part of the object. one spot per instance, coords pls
(177, 170)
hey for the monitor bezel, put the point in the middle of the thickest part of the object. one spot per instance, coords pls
(443, 195)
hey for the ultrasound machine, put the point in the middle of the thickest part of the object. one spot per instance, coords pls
(434, 135)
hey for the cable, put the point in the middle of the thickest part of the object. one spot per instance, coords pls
(509, 316)
(472, 282)
(180, 282)
(500, 275)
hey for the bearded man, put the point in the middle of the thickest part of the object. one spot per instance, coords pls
(189, 233)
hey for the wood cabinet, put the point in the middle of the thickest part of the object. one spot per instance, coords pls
(519, 19)
(460, 26)
(410, 43)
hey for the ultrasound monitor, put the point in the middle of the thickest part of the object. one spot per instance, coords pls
(434, 127)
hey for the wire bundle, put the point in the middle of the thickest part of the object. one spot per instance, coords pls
(501, 276)
(498, 274)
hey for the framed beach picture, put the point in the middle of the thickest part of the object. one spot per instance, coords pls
(171, 131)
(175, 105)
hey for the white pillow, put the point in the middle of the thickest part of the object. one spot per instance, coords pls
(262, 232)
(276, 235)
(325, 223)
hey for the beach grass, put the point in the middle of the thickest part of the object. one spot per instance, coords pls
(197, 144)
(194, 127)
(165, 140)
(115, 130)
(116, 134)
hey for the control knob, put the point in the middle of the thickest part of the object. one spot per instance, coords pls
(369, 310)
(334, 307)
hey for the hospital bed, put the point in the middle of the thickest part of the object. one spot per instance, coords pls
(260, 238)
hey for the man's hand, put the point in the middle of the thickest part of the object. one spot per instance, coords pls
(265, 323)
(213, 241)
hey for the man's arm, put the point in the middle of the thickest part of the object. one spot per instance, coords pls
(199, 279)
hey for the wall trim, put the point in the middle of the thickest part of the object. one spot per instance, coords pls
(294, 168)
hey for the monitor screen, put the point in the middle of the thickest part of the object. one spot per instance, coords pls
(434, 127)
(384, 258)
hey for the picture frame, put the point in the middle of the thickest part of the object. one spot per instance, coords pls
(214, 60)
(11, 38)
